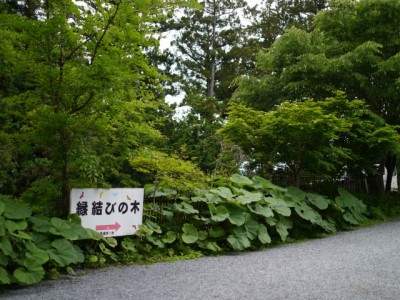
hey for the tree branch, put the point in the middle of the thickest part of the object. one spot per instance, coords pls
(106, 28)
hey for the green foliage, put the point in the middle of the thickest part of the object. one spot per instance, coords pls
(31, 246)
(211, 50)
(77, 93)
(380, 207)
(239, 213)
(351, 47)
(242, 213)
(354, 209)
(168, 171)
(190, 234)
(311, 137)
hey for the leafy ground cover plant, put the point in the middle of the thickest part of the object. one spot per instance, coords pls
(238, 213)
(241, 213)
(31, 246)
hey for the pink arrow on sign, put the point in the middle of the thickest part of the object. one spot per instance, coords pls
(115, 227)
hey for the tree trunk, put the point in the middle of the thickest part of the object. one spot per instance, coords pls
(211, 83)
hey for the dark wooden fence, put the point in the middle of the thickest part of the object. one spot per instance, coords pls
(323, 185)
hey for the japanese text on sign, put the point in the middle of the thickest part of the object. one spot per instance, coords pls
(112, 212)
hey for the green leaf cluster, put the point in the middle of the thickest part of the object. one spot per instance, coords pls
(311, 137)
(30, 246)
(241, 213)
(350, 47)
(168, 171)
(79, 91)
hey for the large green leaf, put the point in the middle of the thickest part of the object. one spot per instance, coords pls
(190, 234)
(355, 208)
(12, 226)
(41, 240)
(29, 276)
(319, 201)
(224, 193)
(307, 213)
(346, 200)
(277, 195)
(4, 260)
(169, 237)
(237, 215)
(216, 232)
(155, 241)
(185, 207)
(239, 240)
(213, 197)
(153, 226)
(143, 230)
(262, 183)
(75, 219)
(219, 213)
(282, 208)
(271, 221)
(94, 235)
(349, 217)
(112, 242)
(282, 227)
(41, 223)
(36, 259)
(21, 235)
(263, 235)
(128, 245)
(36, 256)
(198, 199)
(155, 191)
(328, 226)
(4, 277)
(248, 197)
(104, 250)
(213, 246)
(6, 247)
(67, 229)
(203, 235)
(252, 227)
(240, 180)
(64, 254)
(295, 194)
(261, 210)
(17, 211)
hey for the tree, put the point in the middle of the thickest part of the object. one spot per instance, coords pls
(76, 89)
(271, 18)
(206, 37)
(169, 171)
(353, 47)
(312, 137)
(211, 50)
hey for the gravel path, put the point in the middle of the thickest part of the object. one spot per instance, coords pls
(361, 264)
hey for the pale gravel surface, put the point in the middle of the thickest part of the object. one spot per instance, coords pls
(362, 264)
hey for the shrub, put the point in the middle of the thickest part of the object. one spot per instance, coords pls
(240, 213)
(31, 245)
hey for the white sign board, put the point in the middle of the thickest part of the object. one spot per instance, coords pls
(111, 212)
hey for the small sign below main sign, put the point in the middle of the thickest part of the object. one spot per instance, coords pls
(111, 212)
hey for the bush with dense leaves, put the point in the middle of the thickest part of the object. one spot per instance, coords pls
(236, 214)
(241, 213)
(32, 245)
